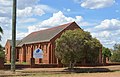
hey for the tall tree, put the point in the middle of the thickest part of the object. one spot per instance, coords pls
(116, 47)
(73, 45)
(13, 57)
(115, 56)
(116, 53)
(69, 47)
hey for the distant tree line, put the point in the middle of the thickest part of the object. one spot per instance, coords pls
(112, 54)
(116, 53)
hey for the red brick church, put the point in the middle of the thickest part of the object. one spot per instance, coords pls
(43, 39)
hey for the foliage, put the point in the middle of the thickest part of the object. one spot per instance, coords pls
(116, 47)
(115, 57)
(106, 53)
(2, 53)
(116, 53)
(93, 50)
(69, 47)
(74, 45)
(1, 31)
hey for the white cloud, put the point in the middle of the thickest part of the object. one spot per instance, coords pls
(107, 32)
(25, 8)
(21, 4)
(5, 24)
(109, 42)
(37, 10)
(4, 20)
(6, 3)
(107, 24)
(5, 8)
(27, 20)
(21, 35)
(25, 12)
(45, 8)
(57, 19)
(102, 34)
(95, 4)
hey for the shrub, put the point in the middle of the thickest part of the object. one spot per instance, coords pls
(115, 57)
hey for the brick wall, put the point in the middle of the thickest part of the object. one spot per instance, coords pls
(8, 52)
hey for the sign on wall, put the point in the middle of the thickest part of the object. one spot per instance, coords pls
(38, 53)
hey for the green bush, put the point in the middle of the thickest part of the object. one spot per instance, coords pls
(2, 53)
(115, 57)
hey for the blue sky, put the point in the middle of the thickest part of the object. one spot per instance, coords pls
(100, 17)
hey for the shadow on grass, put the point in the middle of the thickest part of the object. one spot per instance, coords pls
(75, 70)
(87, 70)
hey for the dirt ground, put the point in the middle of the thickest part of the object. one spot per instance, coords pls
(101, 71)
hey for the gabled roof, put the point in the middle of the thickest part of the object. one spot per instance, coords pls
(43, 35)
(17, 42)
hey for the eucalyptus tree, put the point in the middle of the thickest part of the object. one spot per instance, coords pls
(75, 45)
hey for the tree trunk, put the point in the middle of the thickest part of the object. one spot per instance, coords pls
(13, 54)
(71, 66)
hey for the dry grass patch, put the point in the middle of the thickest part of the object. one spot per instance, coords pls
(101, 71)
